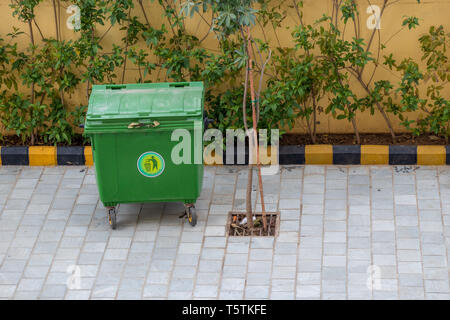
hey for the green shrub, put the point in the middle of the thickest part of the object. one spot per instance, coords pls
(316, 74)
(434, 105)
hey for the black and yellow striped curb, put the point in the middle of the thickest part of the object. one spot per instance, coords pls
(45, 156)
(288, 155)
(354, 155)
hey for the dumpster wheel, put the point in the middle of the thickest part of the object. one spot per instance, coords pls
(112, 217)
(191, 215)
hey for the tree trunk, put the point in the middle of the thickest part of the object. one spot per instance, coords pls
(314, 131)
(380, 109)
(126, 49)
(56, 20)
(248, 200)
(32, 42)
(355, 128)
(255, 134)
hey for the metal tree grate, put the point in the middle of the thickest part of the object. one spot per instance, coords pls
(235, 227)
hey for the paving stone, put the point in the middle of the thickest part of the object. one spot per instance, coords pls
(230, 284)
(214, 242)
(408, 244)
(72, 242)
(234, 271)
(30, 284)
(335, 237)
(212, 254)
(116, 254)
(183, 285)
(12, 266)
(358, 254)
(236, 259)
(208, 278)
(388, 272)
(90, 258)
(385, 295)
(411, 280)
(238, 247)
(308, 291)
(36, 272)
(408, 255)
(284, 260)
(231, 295)
(336, 223)
(308, 278)
(205, 291)
(67, 253)
(283, 285)
(283, 272)
(104, 291)
(7, 291)
(177, 295)
(384, 260)
(257, 292)
(409, 267)
(77, 295)
(190, 260)
(155, 291)
(310, 254)
(437, 286)
(437, 296)
(210, 265)
(289, 204)
(53, 291)
(258, 279)
(262, 243)
(435, 273)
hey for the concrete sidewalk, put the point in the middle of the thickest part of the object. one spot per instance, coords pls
(353, 232)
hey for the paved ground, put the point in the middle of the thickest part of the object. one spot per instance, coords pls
(346, 233)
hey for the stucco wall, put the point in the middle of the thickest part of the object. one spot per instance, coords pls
(403, 44)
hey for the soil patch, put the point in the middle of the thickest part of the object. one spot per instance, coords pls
(9, 141)
(371, 139)
(238, 227)
(287, 139)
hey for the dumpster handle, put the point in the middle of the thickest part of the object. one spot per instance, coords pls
(115, 87)
(179, 84)
(135, 125)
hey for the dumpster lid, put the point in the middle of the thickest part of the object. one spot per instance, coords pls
(155, 100)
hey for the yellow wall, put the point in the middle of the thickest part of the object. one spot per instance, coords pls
(404, 44)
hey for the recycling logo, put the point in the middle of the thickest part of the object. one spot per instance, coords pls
(151, 164)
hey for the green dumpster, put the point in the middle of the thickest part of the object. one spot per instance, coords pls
(131, 129)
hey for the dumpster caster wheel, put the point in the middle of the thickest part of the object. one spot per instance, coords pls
(112, 218)
(191, 215)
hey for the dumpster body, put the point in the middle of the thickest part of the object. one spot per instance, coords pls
(131, 128)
